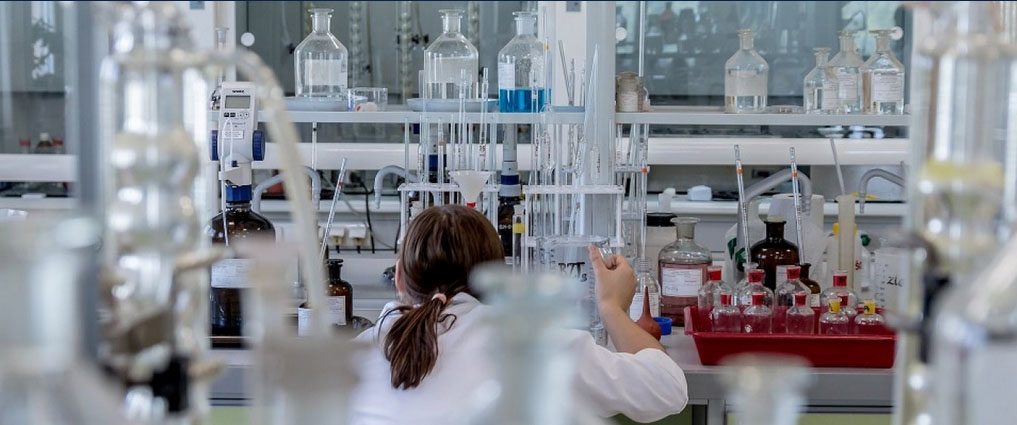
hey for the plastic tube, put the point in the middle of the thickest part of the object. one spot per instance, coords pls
(260, 189)
(846, 236)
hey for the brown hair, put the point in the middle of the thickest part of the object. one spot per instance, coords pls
(441, 247)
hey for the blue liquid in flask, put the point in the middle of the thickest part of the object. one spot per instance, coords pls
(521, 100)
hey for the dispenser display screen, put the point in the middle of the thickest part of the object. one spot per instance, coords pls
(237, 102)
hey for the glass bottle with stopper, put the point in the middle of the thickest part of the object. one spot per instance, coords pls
(846, 67)
(755, 286)
(321, 61)
(521, 69)
(447, 58)
(725, 317)
(820, 89)
(757, 318)
(646, 286)
(682, 269)
(774, 254)
(745, 78)
(709, 294)
(883, 78)
(800, 318)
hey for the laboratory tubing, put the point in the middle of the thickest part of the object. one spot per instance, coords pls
(757, 318)
(846, 66)
(870, 322)
(448, 59)
(646, 283)
(883, 78)
(848, 298)
(833, 321)
(682, 270)
(321, 61)
(745, 78)
(785, 294)
(755, 286)
(800, 318)
(709, 294)
(774, 254)
(726, 317)
(820, 89)
(521, 69)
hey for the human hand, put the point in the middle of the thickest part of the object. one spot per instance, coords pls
(615, 281)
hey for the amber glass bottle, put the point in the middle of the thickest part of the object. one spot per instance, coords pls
(229, 276)
(774, 253)
(812, 285)
(338, 296)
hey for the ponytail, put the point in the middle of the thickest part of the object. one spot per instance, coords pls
(411, 345)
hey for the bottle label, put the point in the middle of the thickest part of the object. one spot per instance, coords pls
(325, 72)
(887, 88)
(506, 76)
(231, 273)
(680, 282)
(636, 308)
(744, 82)
(828, 98)
(847, 86)
(813, 300)
(781, 274)
(337, 310)
(303, 321)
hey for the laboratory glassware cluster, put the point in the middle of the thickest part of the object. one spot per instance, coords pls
(163, 284)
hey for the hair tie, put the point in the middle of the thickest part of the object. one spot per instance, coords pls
(440, 296)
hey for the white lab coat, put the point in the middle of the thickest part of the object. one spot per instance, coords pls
(645, 386)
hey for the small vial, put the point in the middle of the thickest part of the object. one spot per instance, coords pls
(834, 321)
(870, 322)
(646, 286)
(758, 318)
(800, 319)
(786, 291)
(709, 293)
(726, 317)
(744, 298)
(518, 229)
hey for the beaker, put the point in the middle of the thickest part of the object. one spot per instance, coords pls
(569, 255)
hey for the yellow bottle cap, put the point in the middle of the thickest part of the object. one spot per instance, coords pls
(870, 307)
(518, 228)
(834, 305)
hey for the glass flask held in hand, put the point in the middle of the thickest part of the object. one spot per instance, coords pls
(870, 322)
(785, 295)
(725, 317)
(682, 269)
(321, 61)
(645, 284)
(709, 294)
(800, 319)
(745, 78)
(834, 321)
(744, 297)
(757, 318)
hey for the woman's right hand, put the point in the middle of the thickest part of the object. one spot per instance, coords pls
(615, 280)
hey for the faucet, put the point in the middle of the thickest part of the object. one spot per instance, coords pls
(271, 181)
(863, 184)
(379, 180)
(767, 184)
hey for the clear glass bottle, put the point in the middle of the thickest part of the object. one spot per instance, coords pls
(758, 318)
(774, 254)
(820, 91)
(645, 282)
(229, 276)
(321, 61)
(447, 58)
(833, 321)
(682, 270)
(800, 318)
(726, 317)
(745, 78)
(846, 67)
(743, 284)
(755, 286)
(839, 290)
(709, 293)
(785, 295)
(883, 79)
(870, 322)
(521, 69)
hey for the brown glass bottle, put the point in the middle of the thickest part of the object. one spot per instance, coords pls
(338, 296)
(812, 285)
(229, 276)
(774, 253)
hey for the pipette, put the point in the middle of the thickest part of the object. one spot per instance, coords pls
(836, 163)
(743, 210)
(798, 202)
(331, 210)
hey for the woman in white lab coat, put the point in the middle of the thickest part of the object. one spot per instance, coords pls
(427, 355)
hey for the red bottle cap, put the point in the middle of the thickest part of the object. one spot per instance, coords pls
(840, 279)
(800, 298)
(725, 299)
(757, 299)
(58, 142)
(794, 272)
(755, 276)
(714, 272)
(844, 301)
(24, 142)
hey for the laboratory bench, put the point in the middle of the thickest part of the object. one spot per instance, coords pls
(833, 390)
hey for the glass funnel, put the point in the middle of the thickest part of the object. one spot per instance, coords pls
(321, 61)
(846, 67)
(883, 78)
(820, 89)
(521, 69)
(765, 389)
(746, 75)
(448, 58)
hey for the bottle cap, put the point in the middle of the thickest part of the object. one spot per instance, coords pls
(725, 298)
(334, 267)
(800, 298)
(756, 276)
(844, 298)
(25, 142)
(518, 209)
(43, 137)
(870, 306)
(834, 304)
(757, 299)
(840, 279)
(665, 325)
(660, 219)
(238, 193)
(714, 272)
(794, 272)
